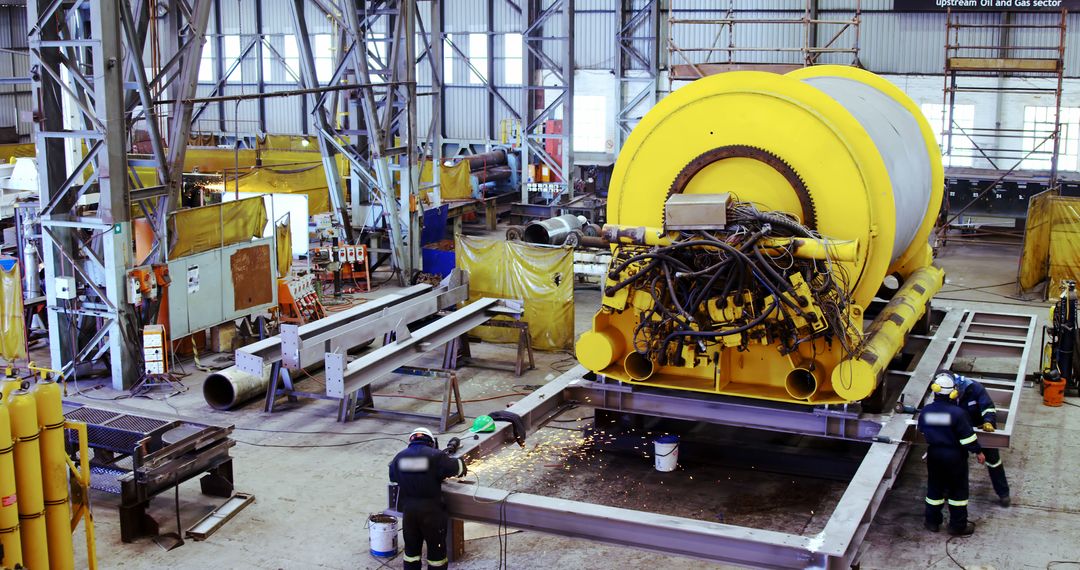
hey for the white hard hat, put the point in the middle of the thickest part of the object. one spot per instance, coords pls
(945, 381)
(421, 431)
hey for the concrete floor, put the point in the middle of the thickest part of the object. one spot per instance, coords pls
(316, 480)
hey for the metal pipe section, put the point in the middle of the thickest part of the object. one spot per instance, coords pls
(553, 231)
(486, 160)
(857, 376)
(228, 388)
(50, 415)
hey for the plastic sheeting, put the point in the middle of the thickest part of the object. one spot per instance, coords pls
(12, 325)
(283, 236)
(454, 182)
(543, 277)
(1051, 243)
(201, 229)
(17, 150)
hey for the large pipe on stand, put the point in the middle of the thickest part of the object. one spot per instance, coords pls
(228, 388)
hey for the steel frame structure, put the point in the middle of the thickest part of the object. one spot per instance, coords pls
(548, 90)
(380, 137)
(968, 60)
(637, 63)
(962, 332)
(685, 63)
(91, 89)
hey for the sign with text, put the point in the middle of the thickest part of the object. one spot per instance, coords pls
(987, 5)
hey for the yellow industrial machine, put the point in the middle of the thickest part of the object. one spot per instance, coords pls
(752, 218)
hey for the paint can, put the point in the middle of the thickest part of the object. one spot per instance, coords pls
(666, 452)
(383, 535)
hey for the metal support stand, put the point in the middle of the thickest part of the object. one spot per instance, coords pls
(451, 411)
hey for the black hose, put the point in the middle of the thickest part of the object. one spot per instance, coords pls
(727, 332)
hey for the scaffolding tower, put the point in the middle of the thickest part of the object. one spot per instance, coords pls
(1037, 63)
(1019, 55)
(734, 38)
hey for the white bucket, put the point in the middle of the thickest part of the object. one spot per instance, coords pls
(666, 452)
(382, 533)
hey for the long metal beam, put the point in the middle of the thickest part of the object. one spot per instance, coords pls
(342, 380)
(255, 356)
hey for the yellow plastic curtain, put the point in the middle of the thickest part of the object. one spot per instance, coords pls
(283, 235)
(12, 325)
(17, 150)
(454, 183)
(1051, 242)
(542, 277)
(201, 229)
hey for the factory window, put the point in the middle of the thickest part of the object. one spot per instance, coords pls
(512, 47)
(478, 57)
(448, 56)
(1038, 126)
(206, 64)
(590, 123)
(957, 148)
(274, 70)
(324, 57)
(231, 46)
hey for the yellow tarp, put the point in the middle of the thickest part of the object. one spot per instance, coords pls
(19, 150)
(200, 229)
(283, 236)
(1051, 242)
(454, 183)
(543, 277)
(12, 326)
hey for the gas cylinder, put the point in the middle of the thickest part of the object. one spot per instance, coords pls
(54, 475)
(9, 510)
(24, 429)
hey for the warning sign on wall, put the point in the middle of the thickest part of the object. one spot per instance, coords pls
(987, 5)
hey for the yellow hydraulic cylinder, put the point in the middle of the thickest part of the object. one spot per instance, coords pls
(857, 376)
(24, 428)
(9, 510)
(54, 475)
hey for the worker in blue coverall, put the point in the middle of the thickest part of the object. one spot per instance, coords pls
(983, 414)
(949, 436)
(419, 471)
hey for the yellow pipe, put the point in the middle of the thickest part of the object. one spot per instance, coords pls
(81, 476)
(823, 249)
(9, 511)
(857, 376)
(24, 428)
(50, 413)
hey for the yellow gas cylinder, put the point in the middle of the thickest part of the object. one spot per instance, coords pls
(8, 385)
(24, 429)
(9, 511)
(54, 475)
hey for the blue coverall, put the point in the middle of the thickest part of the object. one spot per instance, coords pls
(419, 471)
(949, 435)
(980, 410)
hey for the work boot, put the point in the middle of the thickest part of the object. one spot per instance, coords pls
(931, 526)
(966, 531)
(1005, 501)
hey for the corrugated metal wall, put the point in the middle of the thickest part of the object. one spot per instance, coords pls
(14, 99)
(890, 43)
